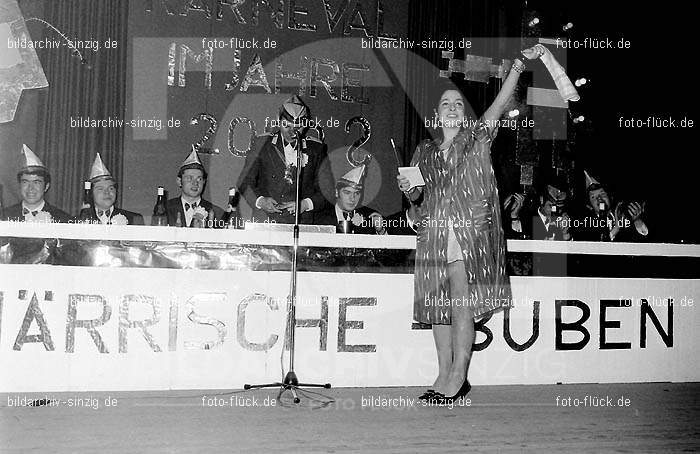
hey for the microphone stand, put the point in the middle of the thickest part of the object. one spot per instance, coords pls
(291, 382)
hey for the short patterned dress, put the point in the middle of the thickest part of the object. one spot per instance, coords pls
(460, 195)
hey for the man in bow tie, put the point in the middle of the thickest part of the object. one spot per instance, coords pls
(268, 179)
(190, 207)
(348, 196)
(104, 196)
(34, 181)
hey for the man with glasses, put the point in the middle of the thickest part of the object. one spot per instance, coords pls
(104, 195)
(190, 209)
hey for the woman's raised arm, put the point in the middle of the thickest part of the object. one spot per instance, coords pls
(495, 110)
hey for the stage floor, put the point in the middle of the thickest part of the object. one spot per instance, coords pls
(653, 417)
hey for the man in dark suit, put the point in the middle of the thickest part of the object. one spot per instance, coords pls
(190, 209)
(34, 180)
(348, 194)
(104, 195)
(549, 220)
(604, 220)
(268, 179)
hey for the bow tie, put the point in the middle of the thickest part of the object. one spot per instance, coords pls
(101, 213)
(348, 215)
(25, 212)
(188, 206)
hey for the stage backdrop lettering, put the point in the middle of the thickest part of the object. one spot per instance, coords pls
(127, 329)
(212, 75)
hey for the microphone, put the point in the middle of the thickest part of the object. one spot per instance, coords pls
(297, 135)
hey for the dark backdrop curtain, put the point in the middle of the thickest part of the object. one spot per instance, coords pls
(95, 90)
(452, 20)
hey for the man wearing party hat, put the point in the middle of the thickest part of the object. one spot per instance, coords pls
(34, 180)
(268, 179)
(546, 221)
(624, 219)
(347, 207)
(190, 209)
(104, 195)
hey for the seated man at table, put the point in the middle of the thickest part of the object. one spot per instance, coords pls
(348, 194)
(104, 195)
(622, 220)
(34, 180)
(549, 221)
(190, 209)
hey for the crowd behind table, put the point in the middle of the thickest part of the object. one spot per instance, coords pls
(550, 215)
(268, 183)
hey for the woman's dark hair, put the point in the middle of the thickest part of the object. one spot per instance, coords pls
(440, 86)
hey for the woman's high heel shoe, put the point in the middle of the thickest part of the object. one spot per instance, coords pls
(463, 390)
(441, 399)
(427, 395)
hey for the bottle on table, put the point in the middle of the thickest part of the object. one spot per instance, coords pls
(160, 216)
(87, 199)
(178, 220)
(232, 217)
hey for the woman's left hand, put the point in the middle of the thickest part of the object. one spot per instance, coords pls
(534, 52)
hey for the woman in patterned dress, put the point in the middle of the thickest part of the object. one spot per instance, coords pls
(460, 255)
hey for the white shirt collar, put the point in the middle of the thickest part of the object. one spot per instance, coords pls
(189, 214)
(39, 208)
(104, 219)
(339, 213)
(278, 136)
(198, 201)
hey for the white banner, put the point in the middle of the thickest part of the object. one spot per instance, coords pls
(84, 328)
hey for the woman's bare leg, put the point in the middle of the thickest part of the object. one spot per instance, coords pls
(443, 343)
(462, 328)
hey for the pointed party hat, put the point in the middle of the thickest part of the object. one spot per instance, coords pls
(353, 178)
(30, 161)
(99, 170)
(590, 180)
(192, 161)
(294, 108)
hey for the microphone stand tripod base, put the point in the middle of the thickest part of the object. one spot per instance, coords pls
(291, 382)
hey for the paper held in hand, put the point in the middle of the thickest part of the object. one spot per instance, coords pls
(414, 175)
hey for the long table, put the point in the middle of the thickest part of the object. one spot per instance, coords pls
(86, 307)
